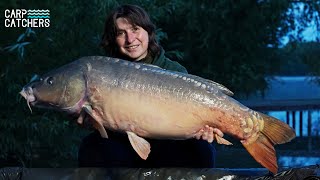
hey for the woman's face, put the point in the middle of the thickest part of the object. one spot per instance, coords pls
(132, 40)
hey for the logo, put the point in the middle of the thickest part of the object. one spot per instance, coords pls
(26, 18)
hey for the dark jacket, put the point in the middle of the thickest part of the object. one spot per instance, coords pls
(165, 63)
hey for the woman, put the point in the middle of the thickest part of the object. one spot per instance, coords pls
(129, 34)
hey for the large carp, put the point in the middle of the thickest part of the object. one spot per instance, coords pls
(147, 101)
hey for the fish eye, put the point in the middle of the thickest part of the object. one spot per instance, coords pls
(50, 80)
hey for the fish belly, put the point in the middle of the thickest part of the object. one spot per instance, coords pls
(152, 116)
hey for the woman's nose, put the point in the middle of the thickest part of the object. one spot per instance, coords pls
(130, 37)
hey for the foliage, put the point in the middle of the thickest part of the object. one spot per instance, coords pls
(232, 42)
(309, 53)
(294, 62)
(309, 14)
(306, 55)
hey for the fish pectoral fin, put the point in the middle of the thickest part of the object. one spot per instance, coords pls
(97, 120)
(100, 128)
(140, 145)
(221, 140)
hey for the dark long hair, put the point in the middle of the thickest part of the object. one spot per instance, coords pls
(136, 16)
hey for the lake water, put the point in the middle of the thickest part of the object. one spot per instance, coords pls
(296, 161)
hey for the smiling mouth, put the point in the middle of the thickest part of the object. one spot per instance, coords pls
(132, 47)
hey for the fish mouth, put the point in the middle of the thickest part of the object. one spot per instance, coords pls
(27, 93)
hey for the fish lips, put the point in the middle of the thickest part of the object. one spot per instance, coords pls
(27, 93)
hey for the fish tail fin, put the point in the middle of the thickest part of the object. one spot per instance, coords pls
(262, 149)
(277, 131)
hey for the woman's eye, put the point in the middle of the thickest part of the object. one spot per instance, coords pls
(50, 80)
(135, 29)
(120, 33)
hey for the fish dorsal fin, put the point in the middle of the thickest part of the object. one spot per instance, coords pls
(140, 145)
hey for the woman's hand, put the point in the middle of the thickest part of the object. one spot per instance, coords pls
(208, 133)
